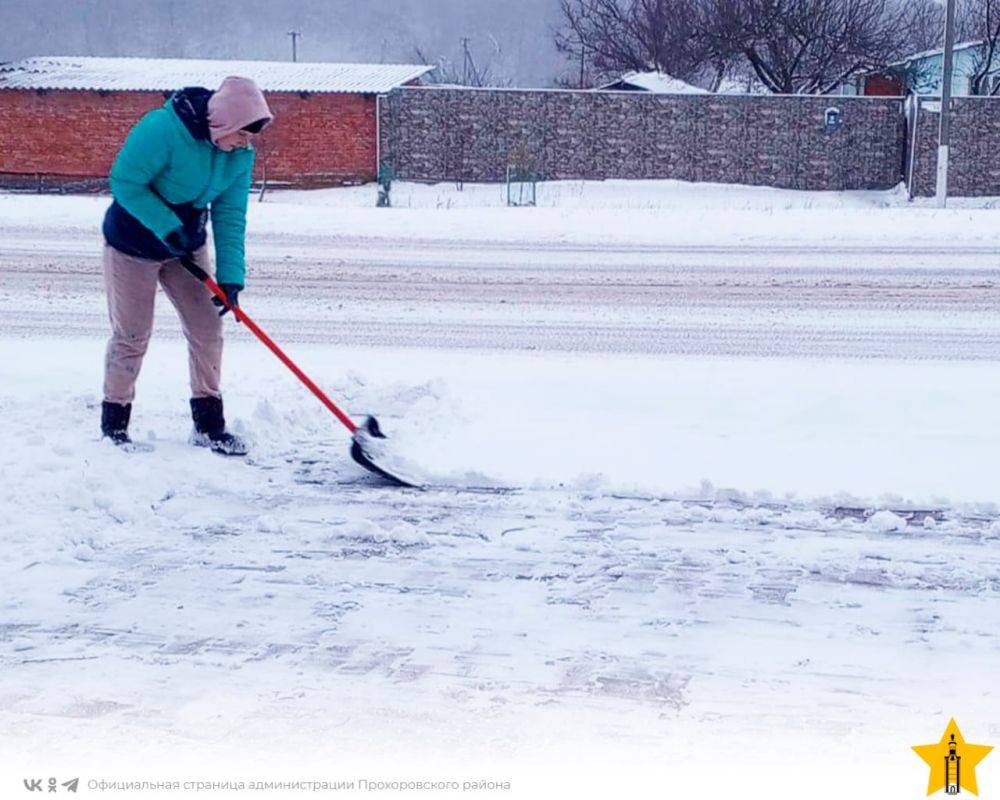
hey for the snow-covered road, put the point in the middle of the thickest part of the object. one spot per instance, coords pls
(592, 589)
(902, 302)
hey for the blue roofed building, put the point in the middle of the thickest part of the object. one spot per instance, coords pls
(922, 73)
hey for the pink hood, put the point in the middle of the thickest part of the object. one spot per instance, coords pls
(237, 103)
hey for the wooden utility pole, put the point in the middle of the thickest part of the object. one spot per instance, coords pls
(295, 38)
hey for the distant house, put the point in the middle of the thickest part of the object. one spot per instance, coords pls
(744, 84)
(656, 82)
(922, 73)
(64, 118)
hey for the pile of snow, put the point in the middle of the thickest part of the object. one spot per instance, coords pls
(637, 195)
(723, 430)
(586, 213)
(886, 521)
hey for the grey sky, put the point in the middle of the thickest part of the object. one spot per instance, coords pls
(513, 36)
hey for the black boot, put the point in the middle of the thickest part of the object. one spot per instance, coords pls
(114, 422)
(210, 428)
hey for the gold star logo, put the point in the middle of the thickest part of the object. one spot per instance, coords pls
(952, 761)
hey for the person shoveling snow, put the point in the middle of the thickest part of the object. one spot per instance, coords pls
(181, 164)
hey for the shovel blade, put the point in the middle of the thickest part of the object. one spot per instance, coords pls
(370, 450)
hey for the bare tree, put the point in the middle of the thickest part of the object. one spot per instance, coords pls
(471, 71)
(917, 73)
(926, 28)
(787, 46)
(979, 21)
(809, 46)
(603, 38)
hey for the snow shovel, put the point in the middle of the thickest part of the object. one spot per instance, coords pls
(367, 440)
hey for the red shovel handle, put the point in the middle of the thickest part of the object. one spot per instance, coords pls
(215, 289)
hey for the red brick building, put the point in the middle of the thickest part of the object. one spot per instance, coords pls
(62, 119)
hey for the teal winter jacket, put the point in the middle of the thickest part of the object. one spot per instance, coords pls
(162, 165)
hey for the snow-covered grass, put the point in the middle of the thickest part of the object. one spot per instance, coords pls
(650, 195)
(622, 213)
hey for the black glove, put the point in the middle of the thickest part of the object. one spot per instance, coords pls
(232, 291)
(179, 242)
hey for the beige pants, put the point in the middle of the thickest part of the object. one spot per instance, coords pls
(131, 287)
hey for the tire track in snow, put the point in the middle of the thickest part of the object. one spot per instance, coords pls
(740, 300)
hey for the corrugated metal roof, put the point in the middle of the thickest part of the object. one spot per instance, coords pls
(167, 74)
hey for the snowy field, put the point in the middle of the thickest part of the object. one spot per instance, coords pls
(707, 463)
